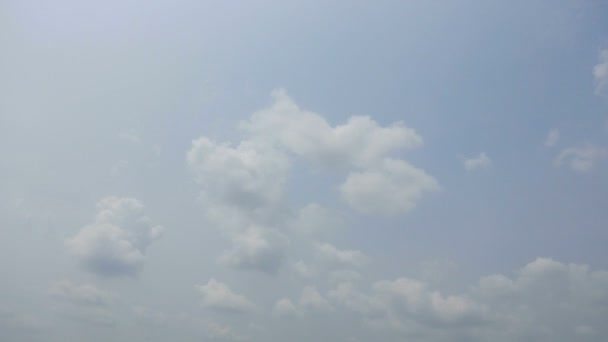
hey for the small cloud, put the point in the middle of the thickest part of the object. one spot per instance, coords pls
(393, 187)
(257, 249)
(583, 158)
(600, 72)
(116, 242)
(217, 296)
(479, 162)
(334, 256)
(552, 137)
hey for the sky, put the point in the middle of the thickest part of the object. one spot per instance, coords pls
(350, 171)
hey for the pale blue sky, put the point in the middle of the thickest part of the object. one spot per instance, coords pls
(301, 232)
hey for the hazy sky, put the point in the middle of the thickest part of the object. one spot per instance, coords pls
(303, 170)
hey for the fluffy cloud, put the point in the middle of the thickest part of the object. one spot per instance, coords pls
(250, 176)
(545, 300)
(552, 137)
(116, 242)
(479, 162)
(243, 185)
(600, 72)
(360, 142)
(583, 158)
(392, 187)
(257, 249)
(217, 296)
(333, 256)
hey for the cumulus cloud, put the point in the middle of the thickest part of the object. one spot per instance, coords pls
(217, 296)
(392, 187)
(360, 142)
(600, 72)
(583, 158)
(116, 242)
(257, 249)
(336, 257)
(412, 299)
(250, 175)
(545, 300)
(243, 185)
(479, 162)
(552, 137)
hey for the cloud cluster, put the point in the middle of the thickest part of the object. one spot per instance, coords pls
(115, 243)
(545, 300)
(390, 185)
(360, 142)
(243, 185)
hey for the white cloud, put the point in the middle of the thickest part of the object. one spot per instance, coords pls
(257, 249)
(115, 243)
(85, 295)
(251, 175)
(217, 296)
(391, 188)
(600, 72)
(583, 158)
(360, 142)
(552, 137)
(410, 299)
(545, 300)
(479, 162)
(336, 257)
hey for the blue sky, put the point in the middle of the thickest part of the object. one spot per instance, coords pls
(319, 170)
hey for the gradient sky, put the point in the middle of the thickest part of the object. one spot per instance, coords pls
(303, 170)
